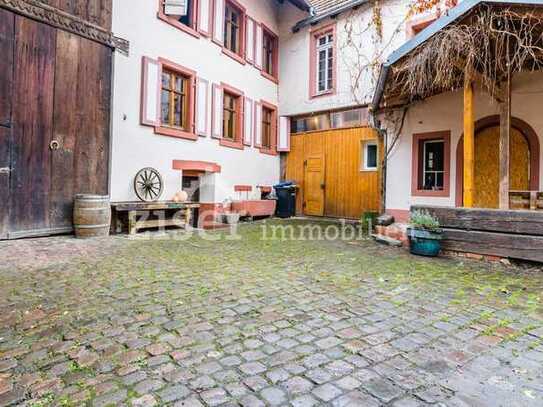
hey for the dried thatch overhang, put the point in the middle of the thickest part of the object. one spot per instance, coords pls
(484, 41)
(478, 43)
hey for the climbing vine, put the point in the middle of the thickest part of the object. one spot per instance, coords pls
(370, 38)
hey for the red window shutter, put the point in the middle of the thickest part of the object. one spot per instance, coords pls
(150, 92)
(217, 112)
(259, 44)
(205, 11)
(202, 109)
(249, 122)
(218, 22)
(250, 40)
(258, 125)
(283, 143)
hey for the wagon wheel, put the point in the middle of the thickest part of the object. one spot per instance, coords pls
(148, 185)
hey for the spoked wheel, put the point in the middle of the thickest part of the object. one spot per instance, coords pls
(148, 185)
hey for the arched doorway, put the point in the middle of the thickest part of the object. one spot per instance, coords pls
(524, 161)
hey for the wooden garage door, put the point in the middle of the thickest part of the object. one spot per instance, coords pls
(348, 191)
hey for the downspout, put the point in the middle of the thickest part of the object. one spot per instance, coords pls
(376, 124)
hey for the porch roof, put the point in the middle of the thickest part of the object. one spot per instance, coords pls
(451, 17)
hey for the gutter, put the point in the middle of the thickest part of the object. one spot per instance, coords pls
(302, 5)
(315, 19)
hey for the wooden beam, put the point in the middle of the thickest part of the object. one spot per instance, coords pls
(469, 143)
(487, 220)
(524, 247)
(505, 136)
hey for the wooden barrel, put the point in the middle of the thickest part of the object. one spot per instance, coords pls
(92, 215)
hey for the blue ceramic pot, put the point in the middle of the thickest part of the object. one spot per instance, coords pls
(425, 242)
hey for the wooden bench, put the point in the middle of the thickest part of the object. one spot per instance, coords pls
(526, 200)
(136, 215)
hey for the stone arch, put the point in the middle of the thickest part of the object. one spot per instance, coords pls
(492, 121)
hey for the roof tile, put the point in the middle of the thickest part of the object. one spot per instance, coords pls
(322, 6)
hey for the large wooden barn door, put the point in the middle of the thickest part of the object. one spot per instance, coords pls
(487, 152)
(54, 124)
(80, 164)
(32, 126)
(7, 38)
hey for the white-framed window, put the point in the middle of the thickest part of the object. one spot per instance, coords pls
(325, 63)
(433, 165)
(369, 156)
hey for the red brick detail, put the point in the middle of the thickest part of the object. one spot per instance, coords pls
(400, 215)
(200, 166)
(243, 188)
(395, 231)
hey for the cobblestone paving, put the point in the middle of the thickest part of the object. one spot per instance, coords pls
(256, 322)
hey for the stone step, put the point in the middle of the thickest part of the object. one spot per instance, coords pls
(212, 225)
(387, 240)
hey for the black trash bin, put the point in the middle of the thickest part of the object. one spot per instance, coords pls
(286, 199)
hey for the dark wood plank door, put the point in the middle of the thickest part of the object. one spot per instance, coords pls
(7, 39)
(32, 126)
(80, 164)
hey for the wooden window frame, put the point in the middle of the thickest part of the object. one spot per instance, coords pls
(272, 149)
(240, 55)
(313, 57)
(417, 161)
(192, 29)
(191, 77)
(237, 143)
(274, 76)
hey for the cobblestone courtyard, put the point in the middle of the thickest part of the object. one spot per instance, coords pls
(257, 322)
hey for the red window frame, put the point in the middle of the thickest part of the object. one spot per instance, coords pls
(240, 55)
(237, 143)
(272, 150)
(274, 76)
(192, 29)
(191, 76)
(417, 161)
(315, 35)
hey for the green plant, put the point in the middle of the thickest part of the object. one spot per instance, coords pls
(368, 220)
(422, 219)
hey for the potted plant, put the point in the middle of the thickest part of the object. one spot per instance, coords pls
(368, 221)
(424, 234)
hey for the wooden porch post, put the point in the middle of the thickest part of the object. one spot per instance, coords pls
(469, 143)
(505, 135)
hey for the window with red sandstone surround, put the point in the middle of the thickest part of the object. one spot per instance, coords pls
(232, 118)
(231, 108)
(270, 54)
(268, 129)
(431, 164)
(323, 61)
(234, 30)
(176, 101)
(175, 98)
